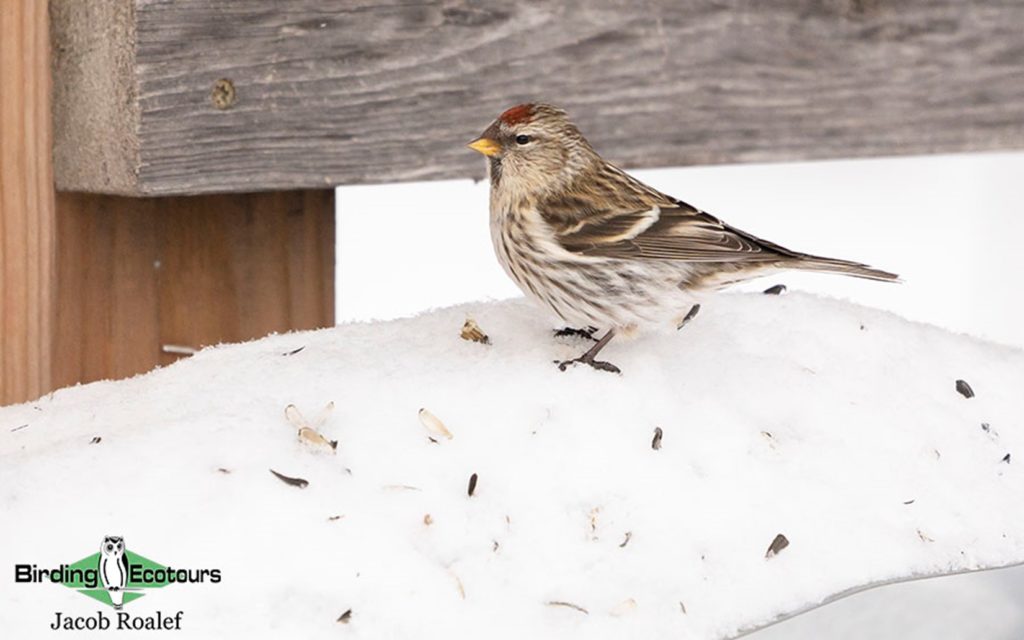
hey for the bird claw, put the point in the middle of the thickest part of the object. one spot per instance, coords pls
(586, 333)
(600, 365)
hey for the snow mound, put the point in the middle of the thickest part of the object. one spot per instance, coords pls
(836, 426)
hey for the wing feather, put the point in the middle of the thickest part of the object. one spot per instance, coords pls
(615, 215)
(670, 232)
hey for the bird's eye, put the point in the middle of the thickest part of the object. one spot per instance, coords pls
(110, 548)
(522, 139)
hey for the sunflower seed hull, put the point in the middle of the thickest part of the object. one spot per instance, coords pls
(472, 332)
(560, 603)
(434, 424)
(294, 482)
(690, 315)
(778, 544)
(964, 389)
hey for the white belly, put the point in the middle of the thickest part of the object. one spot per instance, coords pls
(584, 291)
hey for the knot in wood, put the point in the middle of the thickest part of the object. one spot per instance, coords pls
(223, 94)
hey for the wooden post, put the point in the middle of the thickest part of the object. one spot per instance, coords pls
(94, 286)
(26, 202)
(137, 274)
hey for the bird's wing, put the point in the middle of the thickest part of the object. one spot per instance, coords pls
(666, 231)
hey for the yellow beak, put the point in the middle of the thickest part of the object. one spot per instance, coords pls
(485, 146)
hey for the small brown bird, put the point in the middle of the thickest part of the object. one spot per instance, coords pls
(602, 249)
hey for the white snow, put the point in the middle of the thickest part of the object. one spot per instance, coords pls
(835, 425)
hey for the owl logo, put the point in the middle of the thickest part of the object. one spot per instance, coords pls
(114, 569)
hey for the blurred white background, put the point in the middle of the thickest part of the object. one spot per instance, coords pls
(951, 226)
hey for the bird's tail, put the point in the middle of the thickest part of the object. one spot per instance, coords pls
(842, 267)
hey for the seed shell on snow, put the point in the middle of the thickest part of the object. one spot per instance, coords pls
(458, 583)
(775, 290)
(656, 442)
(294, 416)
(471, 331)
(434, 424)
(345, 617)
(472, 485)
(314, 437)
(964, 389)
(778, 544)
(400, 487)
(301, 483)
(308, 433)
(562, 603)
(593, 522)
(629, 536)
(690, 315)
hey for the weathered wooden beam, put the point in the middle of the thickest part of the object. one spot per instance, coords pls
(325, 92)
(26, 202)
(93, 286)
(136, 275)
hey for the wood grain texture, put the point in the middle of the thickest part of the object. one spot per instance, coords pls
(139, 273)
(94, 95)
(26, 202)
(344, 91)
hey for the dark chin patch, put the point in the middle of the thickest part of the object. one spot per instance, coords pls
(495, 165)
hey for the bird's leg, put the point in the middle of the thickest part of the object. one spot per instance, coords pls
(588, 357)
(586, 332)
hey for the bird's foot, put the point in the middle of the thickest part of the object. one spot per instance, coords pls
(590, 357)
(586, 333)
(600, 365)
